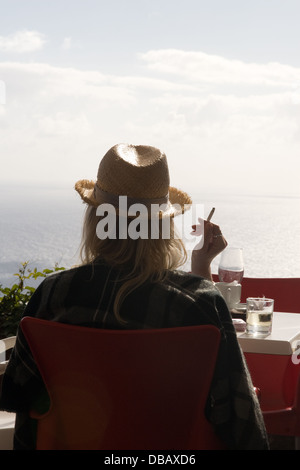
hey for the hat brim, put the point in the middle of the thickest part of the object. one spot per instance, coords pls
(177, 204)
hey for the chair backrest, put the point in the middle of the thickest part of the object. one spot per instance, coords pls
(280, 392)
(113, 389)
(284, 291)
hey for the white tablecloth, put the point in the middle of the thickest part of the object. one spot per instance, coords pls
(284, 339)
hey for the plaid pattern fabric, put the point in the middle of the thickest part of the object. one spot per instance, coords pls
(84, 296)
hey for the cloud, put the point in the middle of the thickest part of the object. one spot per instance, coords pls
(22, 42)
(215, 70)
(67, 44)
(228, 120)
(64, 124)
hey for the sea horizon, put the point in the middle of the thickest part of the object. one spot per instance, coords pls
(44, 228)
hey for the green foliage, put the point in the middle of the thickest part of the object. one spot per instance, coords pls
(14, 299)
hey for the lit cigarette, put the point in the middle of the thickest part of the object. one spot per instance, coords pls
(211, 214)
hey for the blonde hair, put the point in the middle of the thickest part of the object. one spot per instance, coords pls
(142, 259)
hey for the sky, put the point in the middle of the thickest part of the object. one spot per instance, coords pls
(215, 84)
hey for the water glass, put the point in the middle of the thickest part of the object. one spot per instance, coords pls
(231, 267)
(259, 316)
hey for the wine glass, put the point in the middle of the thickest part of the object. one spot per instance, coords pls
(231, 266)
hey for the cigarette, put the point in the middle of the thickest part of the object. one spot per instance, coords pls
(211, 214)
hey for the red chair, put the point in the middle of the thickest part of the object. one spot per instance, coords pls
(113, 389)
(278, 379)
(280, 390)
(284, 291)
(276, 376)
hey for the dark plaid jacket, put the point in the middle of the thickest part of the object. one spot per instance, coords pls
(85, 295)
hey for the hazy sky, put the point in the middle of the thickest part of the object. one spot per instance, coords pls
(215, 84)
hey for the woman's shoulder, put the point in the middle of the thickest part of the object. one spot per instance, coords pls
(196, 288)
(63, 274)
(80, 271)
(190, 282)
(62, 280)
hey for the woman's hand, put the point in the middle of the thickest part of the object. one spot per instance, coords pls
(212, 244)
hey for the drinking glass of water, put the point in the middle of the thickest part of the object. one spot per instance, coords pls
(259, 316)
(231, 267)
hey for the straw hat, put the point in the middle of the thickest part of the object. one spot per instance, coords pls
(138, 172)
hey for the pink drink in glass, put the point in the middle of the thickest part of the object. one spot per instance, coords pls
(230, 275)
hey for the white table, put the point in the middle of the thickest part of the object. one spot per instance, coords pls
(284, 338)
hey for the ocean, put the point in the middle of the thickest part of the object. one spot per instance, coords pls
(43, 226)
